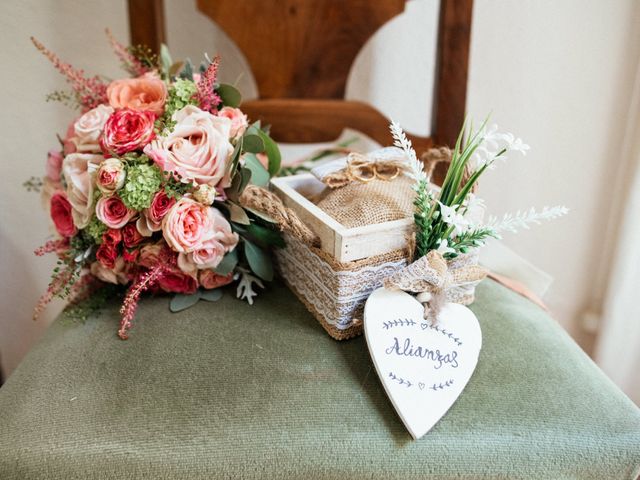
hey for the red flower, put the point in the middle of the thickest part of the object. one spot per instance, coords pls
(160, 205)
(126, 131)
(130, 256)
(112, 236)
(131, 236)
(61, 215)
(107, 254)
(176, 281)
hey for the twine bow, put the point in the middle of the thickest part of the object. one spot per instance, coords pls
(436, 282)
(363, 169)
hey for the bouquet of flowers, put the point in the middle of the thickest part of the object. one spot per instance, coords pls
(145, 188)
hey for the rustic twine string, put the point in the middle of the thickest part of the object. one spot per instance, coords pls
(432, 157)
(267, 203)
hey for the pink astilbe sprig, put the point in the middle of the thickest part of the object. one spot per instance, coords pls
(129, 61)
(91, 91)
(57, 284)
(142, 282)
(52, 246)
(207, 97)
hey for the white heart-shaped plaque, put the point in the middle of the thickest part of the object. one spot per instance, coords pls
(424, 367)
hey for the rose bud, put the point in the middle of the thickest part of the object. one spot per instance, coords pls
(110, 176)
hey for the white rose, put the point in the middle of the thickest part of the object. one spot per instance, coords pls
(79, 171)
(88, 129)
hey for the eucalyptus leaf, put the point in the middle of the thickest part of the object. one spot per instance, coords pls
(252, 143)
(246, 178)
(273, 153)
(165, 59)
(259, 174)
(176, 68)
(227, 264)
(237, 214)
(235, 156)
(181, 301)
(265, 236)
(211, 295)
(230, 95)
(187, 71)
(261, 215)
(259, 261)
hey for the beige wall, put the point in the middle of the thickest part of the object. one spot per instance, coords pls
(557, 73)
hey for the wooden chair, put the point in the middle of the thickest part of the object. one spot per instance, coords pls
(302, 60)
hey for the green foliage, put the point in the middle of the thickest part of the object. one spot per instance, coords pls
(174, 187)
(230, 95)
(144, 55)
(469, 240)
(181, 93)
(66, 97)
(34, 184)
(95, 229)
(423, 203)
(93, 303)
(142, 182)
(259, 261)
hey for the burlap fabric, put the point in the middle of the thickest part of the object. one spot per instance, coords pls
(377, 201)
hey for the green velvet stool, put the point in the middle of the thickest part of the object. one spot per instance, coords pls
(226, 390)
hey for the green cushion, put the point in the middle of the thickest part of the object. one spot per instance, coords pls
(226, 390)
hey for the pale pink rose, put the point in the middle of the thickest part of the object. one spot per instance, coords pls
(88, 129)
(209, 279)
(79, 171)
(150, 254)
(198, 148)
(54, 165)
(145, 93)
(239, 121)
(188, 225)
(67, 144)
(113, 212)
(116, 275)
(111, 175)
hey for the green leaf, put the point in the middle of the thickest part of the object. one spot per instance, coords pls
(259, 174)
(176, 68)
(181, 301)
(237, 214)
(227, 264)
(187, 71)
(273, 153)
(238, 183)
(235, 157)
(259, 261)
(230, 95)
(252, 143)
(265, 236)
(165, 59)
(211, 295)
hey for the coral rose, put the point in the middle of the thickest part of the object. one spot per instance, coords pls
(150, 254)
(145, 93)
(198, 149)
(87, 130)
(79, 170)
(239, 122)
(113, 212)
(210, 279)
(111, 175)
(61, 214)
(126, 131)
(188, 225)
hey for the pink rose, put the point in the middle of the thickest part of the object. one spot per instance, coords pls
(145, 93)
(107, 254)
(239, 122)
(210, 253)
(61, 215)
(78, 170)
(198, 148)
(116, 275)
(188, 225)
(151, 219)
(67, 144)
(127, 131)
(111, 175)
(131, 236)
(54, 165)
(49, 187)
(87, 130)
(113, 212)
(210, 279)
(176, 281)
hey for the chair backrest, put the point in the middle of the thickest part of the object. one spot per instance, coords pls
(300, 53)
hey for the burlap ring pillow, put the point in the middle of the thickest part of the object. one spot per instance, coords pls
(381, 198)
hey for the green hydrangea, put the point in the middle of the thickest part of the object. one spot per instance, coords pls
(143, 181)
(181, 93)
(95, 229)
